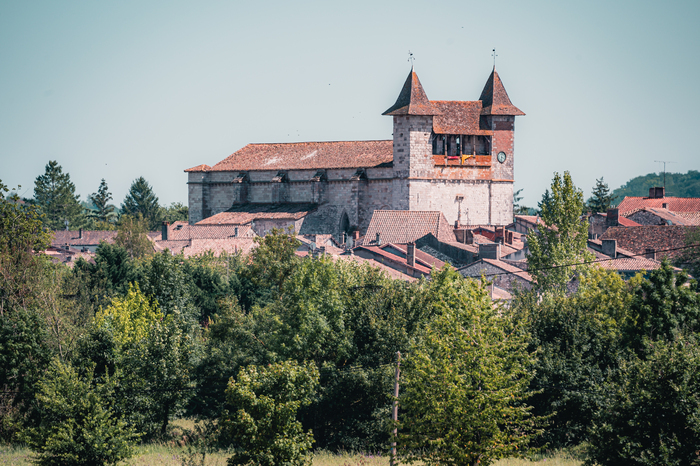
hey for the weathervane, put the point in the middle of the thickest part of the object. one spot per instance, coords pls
(494, 58)
(411, 58)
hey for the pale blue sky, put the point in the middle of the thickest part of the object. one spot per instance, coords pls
(118, 90)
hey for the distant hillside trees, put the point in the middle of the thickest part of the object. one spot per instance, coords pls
(677, 184)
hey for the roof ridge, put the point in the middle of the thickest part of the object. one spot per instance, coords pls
(316, 142)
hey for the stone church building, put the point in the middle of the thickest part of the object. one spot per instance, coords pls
(450, 156)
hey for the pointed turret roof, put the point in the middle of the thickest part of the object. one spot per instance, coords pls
(494, 98)
(412, 99)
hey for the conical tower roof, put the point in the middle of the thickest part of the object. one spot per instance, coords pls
(412, 99)
(494, 98)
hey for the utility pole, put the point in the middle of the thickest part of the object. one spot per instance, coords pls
(664, 162)
(395, 412)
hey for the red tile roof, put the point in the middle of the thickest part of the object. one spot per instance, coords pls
(198, 246)
(623, 221)
(656, 237)
(629, 264)
(422, 257)
(89, 237)
(404, 226)
(243, 214)
(630, 205)
(184, 231)
(507, 268)
(381, 252)
(668, 216)
(305, 156)
(458, 117)
(412, 99)
(392, 273)
(495, 99)
(199, 168)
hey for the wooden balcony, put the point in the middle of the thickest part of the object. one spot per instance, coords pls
(465, 161)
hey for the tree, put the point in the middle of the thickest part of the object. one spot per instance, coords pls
(132, 236)
(690, 257)
(601, 200)
(546, 199)
(577, 340)
(517, 208)
(262, 423)
(142, 200)
(558, 249)
(105, 212)
(273, 261)
(54, 193)
(78, 426)
(465, 383)
(176, 212)
(651, 411)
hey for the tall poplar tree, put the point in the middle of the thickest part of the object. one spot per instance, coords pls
(54, 193)
(558, 248)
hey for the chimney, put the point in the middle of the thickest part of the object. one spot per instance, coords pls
(490, 251)
(356, 235)
(610, 248)
(80, 233)
(657, 192)
(509, 237)
(613, 218)
(378, 240)
(235, 232)
(468, 237)
(456, 224)
(411, 254)
(650, 253)
(164, 231)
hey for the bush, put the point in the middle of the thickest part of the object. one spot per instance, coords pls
(77, 424)
(262, 424)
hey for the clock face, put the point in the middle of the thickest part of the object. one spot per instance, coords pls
(501, 157)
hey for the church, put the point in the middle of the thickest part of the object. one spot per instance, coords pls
(452, 156)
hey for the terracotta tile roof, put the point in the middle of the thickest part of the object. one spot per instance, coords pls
(629, 264)
(667, 216)
(692, 217)
(533, 219)
(656, 237)
(198, 246)
(392, 273)
(307, 156)
(630, 205)
(458, 118)
(243, 214)
(596, 246)
(422, 257)
(199, 168)
(404, 226)
(89, 237)
(382, 252)
(495, 99)
(184, 231)
(507, 268)
(412, 99)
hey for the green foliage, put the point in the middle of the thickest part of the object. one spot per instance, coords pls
(665, 306)
(563, 239)
(577, 340)
(142, 200)
(262, 423)
(54, 194)
(465, 383)
(601, 200)
(21, 233)
(520, 209)
(130, 318)
(176, 212)
(78, 427)
(273, 261)
(104, 212)
(651, 411)
(677, 184)
(132, 236)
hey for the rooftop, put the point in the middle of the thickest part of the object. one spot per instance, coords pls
(629, 205)
(405, 226)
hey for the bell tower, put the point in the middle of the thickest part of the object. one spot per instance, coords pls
(413, 124)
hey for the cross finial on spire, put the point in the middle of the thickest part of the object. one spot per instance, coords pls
(411, 58)
(494, 55)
